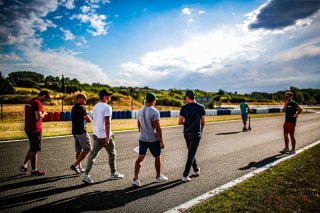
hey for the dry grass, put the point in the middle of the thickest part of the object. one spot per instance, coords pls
(10, 130)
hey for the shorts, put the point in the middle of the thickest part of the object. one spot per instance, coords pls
(35, 140)
(82, 142)
(153, 146)
(244, 117)
(289, 127)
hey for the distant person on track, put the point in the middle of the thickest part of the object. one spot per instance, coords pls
(150, 137)
(292, 111)
(80, 118)
(192, 117)
(34, 114)
(102, 137)
(244, 109)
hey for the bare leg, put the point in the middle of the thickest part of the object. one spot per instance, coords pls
(27, 158)
(293, 142)
(34, 160)
(286, 140)
(80, 157)
(158, 164)
(138, 166)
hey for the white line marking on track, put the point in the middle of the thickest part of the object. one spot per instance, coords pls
(183, 207)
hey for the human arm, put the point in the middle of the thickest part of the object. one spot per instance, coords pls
(298, 112)
(139, 125)
(156, 124)
(40, 115)
(181, 120)
(87, 118)
(203, 122)
(107, 123)
(285, 106)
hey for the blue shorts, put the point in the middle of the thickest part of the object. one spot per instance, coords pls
(153, 146)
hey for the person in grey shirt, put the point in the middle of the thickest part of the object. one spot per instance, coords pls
(150, 137)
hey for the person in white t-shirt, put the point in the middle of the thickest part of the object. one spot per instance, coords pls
(102, 136)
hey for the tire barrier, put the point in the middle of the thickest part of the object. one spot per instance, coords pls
(133, 114)
(62, 116)
(45, 119)
(68, 116)
(50, 116)
(56, 116)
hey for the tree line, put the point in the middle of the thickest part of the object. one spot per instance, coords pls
(170, 97)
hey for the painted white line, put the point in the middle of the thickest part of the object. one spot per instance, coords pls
(183, 207)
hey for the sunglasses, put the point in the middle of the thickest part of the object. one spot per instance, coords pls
(84, 98)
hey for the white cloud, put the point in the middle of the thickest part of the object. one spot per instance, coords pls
(10, 57)
(201, 12)
(82, 42)
(309, 49)
(190, 20)
(69, 4)
(206, 55)
(97, 22)
(64, 62)
(21, 24)
(186, 11)
(67, 35)
(85, 9)
(57, 17)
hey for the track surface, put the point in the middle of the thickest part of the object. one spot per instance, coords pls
(225, 153)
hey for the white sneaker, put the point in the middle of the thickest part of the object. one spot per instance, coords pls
(87, 179)
(185, 179)
(285, 150)
(136, 182)
(161, 178)
(116, 176)
(196, 174)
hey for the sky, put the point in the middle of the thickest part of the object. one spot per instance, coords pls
(234, 45)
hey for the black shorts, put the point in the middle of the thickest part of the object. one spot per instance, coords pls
(35, 141)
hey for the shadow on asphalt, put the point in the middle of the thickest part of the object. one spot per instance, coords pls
(228, 133)
(35, 181)
(93, 201)
(262, 162)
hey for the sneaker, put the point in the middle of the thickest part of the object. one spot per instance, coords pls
(244, 130)
(161, 178)
(37, 173)
(82, 170)
(75, 169)
(87, 179)
(291, 152)
(116, 176)
(285, 150)
(24, 169)
(136, 182)
(196, 174)
(185, 179)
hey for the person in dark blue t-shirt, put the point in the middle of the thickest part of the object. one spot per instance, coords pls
(192, 117)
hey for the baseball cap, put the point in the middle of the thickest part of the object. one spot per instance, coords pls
(44, 92)
(190, 93)
(150, 97)
(104, 92)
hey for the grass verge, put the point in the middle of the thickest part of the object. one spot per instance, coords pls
(291, 186)
(13, 129)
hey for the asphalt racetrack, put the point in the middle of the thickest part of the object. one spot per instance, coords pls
(225, 153)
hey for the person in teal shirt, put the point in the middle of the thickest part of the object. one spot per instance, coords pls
(245, 109)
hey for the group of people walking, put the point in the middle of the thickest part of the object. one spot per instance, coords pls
(192, 117)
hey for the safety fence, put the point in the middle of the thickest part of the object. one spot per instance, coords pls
(133, 114)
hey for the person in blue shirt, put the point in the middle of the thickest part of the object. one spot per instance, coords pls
(245, 109)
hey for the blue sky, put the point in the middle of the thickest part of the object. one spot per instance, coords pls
(235, 45)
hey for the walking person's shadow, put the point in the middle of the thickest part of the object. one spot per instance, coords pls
(263, 162)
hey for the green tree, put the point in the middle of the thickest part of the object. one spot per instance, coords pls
(6, 86)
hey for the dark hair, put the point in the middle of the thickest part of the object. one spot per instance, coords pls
(79, 95)
(103, 93)
(44, 92)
